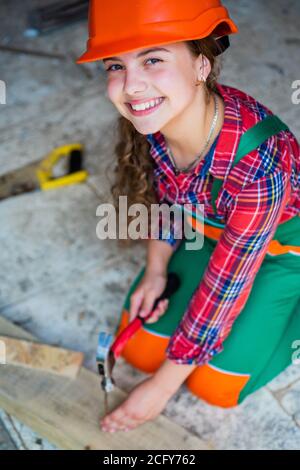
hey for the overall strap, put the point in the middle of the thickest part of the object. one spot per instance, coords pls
(250, 140)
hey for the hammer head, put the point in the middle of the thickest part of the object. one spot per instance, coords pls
(105, 360)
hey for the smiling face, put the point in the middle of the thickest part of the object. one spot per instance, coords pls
(164, 77)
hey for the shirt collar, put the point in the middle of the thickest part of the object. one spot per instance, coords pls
(228, 138)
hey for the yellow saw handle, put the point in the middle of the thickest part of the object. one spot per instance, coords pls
(44, 171)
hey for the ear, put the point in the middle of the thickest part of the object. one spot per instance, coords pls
(203, 66)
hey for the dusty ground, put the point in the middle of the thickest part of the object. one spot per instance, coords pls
(57, 279)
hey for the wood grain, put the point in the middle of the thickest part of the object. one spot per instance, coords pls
(42, 357)
(67, 412)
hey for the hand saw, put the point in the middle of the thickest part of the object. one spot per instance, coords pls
(40, 174)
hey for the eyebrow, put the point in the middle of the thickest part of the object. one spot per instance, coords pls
(141, 54)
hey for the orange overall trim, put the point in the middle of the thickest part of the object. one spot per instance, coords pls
(275, 248)
(145, 350)
(216, 387)
(211, 232)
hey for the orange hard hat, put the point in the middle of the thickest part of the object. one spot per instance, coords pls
(119, 26)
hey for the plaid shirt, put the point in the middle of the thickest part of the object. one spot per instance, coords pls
(261, 191)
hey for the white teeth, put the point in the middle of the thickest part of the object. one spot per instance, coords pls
(150, 104)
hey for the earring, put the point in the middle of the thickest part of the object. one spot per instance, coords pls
(198, 82)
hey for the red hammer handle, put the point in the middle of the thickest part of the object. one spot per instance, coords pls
(173, 284)
(125, 336)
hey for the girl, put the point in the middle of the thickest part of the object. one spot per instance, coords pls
(185, 138)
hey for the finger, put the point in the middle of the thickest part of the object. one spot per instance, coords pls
(135, 303)
(147, 305)
(161, 308)
(163, 305)
(152, 319)
(157, 313)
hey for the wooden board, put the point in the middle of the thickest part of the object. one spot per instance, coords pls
(67, 412)
(41, 356)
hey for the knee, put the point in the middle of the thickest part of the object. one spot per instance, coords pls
(216, 387)
(144, 351)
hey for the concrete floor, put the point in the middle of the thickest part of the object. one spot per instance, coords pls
(57, 279)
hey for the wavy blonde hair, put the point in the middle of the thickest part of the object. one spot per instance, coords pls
(134, 167)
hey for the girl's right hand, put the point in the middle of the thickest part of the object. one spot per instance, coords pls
(142, 300)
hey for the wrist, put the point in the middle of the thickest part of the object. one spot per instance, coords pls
(158, 256)
(156, 270)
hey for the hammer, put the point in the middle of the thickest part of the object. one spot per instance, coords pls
(108, 351)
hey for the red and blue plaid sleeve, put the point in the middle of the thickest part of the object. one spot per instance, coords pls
(227, 281)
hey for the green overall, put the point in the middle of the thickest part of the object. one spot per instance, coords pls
(263, 336)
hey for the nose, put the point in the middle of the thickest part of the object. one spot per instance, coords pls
(134, 84)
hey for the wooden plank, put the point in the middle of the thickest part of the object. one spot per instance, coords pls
(67, 412)
(42, 357)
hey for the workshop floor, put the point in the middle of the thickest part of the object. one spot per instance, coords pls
(57, 279)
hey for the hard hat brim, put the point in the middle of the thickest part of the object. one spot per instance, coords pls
(94, 52)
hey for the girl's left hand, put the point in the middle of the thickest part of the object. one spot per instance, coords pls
(145, 402)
